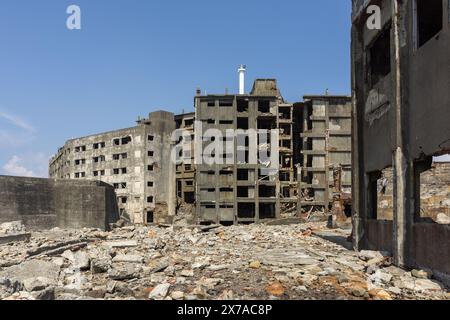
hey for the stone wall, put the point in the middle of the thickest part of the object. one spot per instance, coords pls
(434, 193)
(46, 203)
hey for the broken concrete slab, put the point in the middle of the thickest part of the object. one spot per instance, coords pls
(9, 238)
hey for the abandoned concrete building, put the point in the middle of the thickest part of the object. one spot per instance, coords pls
(239, 191)
(401, 99)
(312, 136)
(325, 138)
(136, 161)
(185, 172)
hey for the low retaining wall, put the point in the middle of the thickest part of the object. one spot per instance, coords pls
(47, 203)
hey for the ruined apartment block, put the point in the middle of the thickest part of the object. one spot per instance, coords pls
(136, 161)
(325, 144)
(400, 82)
(242, 192)
(185, 171)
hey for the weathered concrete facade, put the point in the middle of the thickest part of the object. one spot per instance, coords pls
(136, 161)
(185, 175)
(401, 98)
(326, 143)
(49, 203)
(238, 192)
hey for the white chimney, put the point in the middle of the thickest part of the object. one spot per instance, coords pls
(241, 71)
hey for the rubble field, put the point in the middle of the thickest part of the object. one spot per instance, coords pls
(289, 262)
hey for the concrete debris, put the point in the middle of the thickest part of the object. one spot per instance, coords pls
(159, 263)
(13, 227)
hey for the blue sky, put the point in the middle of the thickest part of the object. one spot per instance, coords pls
(136, 56)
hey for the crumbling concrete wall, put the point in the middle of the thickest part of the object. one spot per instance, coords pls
(400, 81)
(46, 203)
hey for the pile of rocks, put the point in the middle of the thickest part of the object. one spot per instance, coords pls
(198, 262)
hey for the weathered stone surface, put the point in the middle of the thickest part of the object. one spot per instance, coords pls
(160, 291)
(421, 274)
(32, 269)
(36, 284)
(131, 258)
(100, 265)
(123, 272)
(79, 259)
(122, 244)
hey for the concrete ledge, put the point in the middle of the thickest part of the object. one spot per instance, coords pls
(8, 238)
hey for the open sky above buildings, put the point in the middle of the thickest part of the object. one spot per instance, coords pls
(132, 57)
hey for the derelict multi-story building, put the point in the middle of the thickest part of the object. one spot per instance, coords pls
(240, 191)
(325, 144)
(136, 161)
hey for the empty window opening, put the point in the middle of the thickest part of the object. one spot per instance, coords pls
(284, 176)
(267, 211)
(209, 121)
(243, 192)
(149, 217)
(123, 200)
(285, 113)
(150, 153)
(433, 192)
(264, 106)
(99, 159)
(150, 199)
(285, 130)
(99, 145)
(150, 184)
(285, 144)
(266, 124)
(242, 175)
(126, 140)
(188, 167)
(189, 197)
(286, 192)
(380, 195)
(179, 188)
(429, 19)
(242, 123)
(246, 210)
(211, 103)
(242, 105)
(226, 189)
(151, 138)
(150, 167)
(226, 122)
(80, 149)
(267, 191)
(380, 57)
(226, 172)
(225, 103)
(263, 177)
(189, 183)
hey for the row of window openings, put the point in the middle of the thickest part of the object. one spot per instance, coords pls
(98, 159)
(428, 23)
(245, 192)
(123, 185)
(124, 200)
(116, 142)
(242, 105)
(116, 171)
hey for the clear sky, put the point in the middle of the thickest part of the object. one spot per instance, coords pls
(132, 57)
